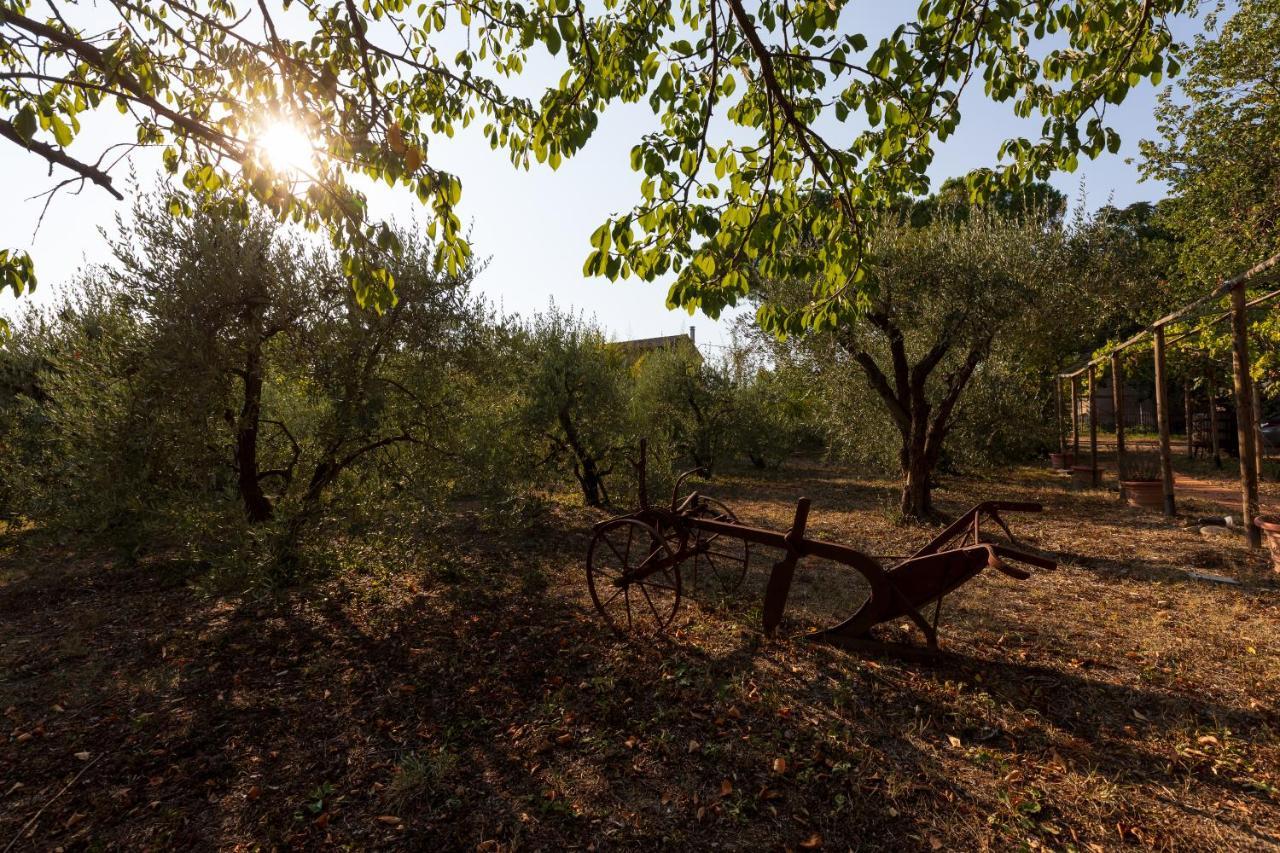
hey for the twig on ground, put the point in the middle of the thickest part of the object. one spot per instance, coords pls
(49, 802)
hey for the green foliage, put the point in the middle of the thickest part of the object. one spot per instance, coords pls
(1220, 149)
(769, 417)
(715, 212)
(574, 399)
(217, 388)
(1140, 468)
(370, 83)
(685, 404)
(947, 360)
(1218, 152)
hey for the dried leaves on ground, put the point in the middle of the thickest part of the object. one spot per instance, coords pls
(467, 697)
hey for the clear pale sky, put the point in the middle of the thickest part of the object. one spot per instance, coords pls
(534, 226)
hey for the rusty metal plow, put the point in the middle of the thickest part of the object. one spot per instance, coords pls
(636, 563)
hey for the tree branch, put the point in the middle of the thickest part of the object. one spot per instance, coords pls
(61, 158)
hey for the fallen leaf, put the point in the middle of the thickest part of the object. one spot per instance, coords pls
(726, 788)
(1209, 740)
(83, 756)
(388, 818)
(813, 842)
(954, 741)
(565, 739)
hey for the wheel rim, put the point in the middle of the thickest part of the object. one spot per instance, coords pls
(644, 606)
(725, 558)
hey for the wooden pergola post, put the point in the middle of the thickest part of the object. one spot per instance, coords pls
(1075, 421)
(1117, 403)
(1093, 425)
(1261, 441)
(1162, 419)
(1062, 433)
(1244, 414)
(1187, 416)
(1211, 381)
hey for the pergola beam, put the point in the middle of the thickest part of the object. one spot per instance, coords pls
(1223, 289)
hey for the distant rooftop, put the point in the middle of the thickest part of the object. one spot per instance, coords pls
(643, 345)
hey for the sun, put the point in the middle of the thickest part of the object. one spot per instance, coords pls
(286, 148)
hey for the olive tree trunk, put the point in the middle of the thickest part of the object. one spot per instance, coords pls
(922, 423)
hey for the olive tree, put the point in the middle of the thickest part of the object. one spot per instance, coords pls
(945, 296)
(683, 401)
(219, 364)
(575, 398)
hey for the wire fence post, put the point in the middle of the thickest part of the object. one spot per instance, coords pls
(1260, 440)
(1187, 416)
(1075, 421)
(1211, 380)
(1162, 419)
(1093, 426)
(1117, 403)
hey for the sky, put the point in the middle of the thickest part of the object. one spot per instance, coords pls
(533, 226)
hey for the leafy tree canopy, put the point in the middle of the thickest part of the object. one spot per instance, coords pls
(755, 111)
(1220, 148)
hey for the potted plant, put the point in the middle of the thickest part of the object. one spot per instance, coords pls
(1141, 482)
(1062, 461)
(1082, 476)
(1270, 527)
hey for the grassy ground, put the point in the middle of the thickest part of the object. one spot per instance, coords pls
(465, 696)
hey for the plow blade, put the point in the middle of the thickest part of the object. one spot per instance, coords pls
(913, 585)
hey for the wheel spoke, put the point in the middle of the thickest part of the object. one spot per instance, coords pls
(656, 617)
(621, 558)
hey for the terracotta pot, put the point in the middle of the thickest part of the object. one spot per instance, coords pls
(1082, 476)
(1062, 461)
(1148, 494)
(1270, 527)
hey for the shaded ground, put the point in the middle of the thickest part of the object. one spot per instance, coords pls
(467, 697)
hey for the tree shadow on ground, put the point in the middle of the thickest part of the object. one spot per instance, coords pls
(478, 701)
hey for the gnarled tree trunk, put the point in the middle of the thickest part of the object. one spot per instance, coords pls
(257, 506)
(922, 426)
(585, 468)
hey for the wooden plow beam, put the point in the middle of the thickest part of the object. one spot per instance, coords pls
(635, 565)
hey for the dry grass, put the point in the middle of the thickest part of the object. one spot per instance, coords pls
(465, 695)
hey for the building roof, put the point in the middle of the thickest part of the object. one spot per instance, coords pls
(640, 346)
